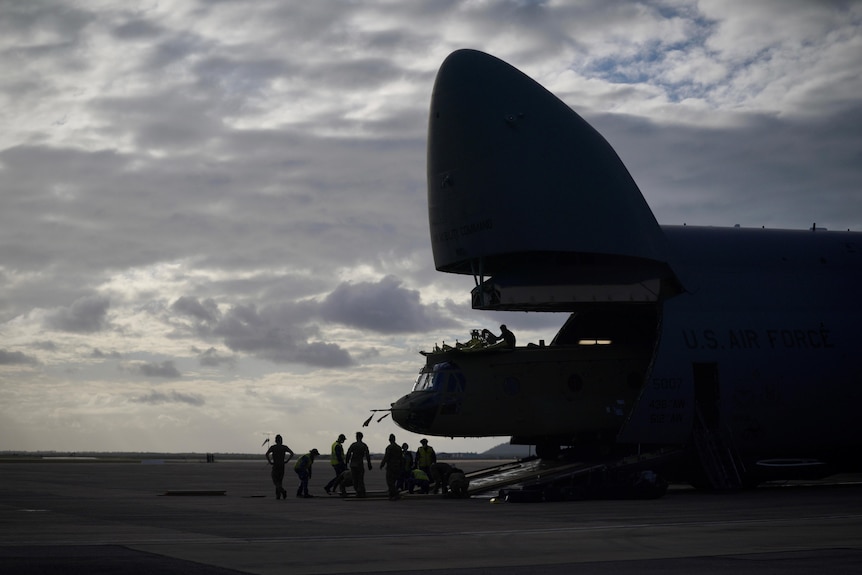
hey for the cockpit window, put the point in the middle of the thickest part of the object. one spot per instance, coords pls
(444, 376)
(424, 381)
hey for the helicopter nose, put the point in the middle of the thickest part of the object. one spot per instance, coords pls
(415, 413)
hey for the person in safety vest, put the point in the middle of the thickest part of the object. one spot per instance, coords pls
(336, 459)
(302, 467)
(418, 480)
(425, 457)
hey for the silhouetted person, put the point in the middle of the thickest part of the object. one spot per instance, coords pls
(458, 483)
(425, 457)
(303, 470)
(505, 335)
(393, 461)
(336, 459)
(275, 456)
(440, 476)
(418, 480)
(355, 454)
(407, 468)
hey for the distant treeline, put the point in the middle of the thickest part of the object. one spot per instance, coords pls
(499, 452)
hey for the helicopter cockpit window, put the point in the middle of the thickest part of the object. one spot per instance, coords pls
(424, 381)
(429, 380)
(442, 376)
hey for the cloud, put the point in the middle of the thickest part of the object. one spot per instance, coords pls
(275, 335)
(206, 311)
(99, 354)
(45, 345)
(160, 398)
(289, 332)
(241, 187)
(384, 306)
(164, 370)
(213, 358)
(16, 358)
(85, 315)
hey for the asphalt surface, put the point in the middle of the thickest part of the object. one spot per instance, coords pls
(88, 517)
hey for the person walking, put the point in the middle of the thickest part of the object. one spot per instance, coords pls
(393, 461)
(303, 470)
(355, 454)
(275, 456)
(336, 459)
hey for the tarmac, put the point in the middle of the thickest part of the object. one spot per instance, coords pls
(222, 518)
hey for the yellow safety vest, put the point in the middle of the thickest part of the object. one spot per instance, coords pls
(334, 457)
(424, 456)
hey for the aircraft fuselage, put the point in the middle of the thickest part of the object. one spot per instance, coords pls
(730, 340)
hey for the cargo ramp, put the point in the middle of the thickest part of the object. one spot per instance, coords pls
(534, 479)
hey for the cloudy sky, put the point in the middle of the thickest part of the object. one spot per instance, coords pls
(212, 213)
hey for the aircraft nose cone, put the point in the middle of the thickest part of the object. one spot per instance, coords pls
(513, 170)
(414, 412)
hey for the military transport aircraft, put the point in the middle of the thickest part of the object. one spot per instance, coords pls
(738, 346)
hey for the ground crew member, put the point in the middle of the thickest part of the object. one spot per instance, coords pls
(425, 457)
(440, 477)
(458, 483)
(302, 467)
(418, 480)
(355, 454)
(407, 468)
(336, 459)
(393, 461)
(278, 460)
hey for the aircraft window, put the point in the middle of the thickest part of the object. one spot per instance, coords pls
(424, 381)
(437, 382)
(442, 376)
